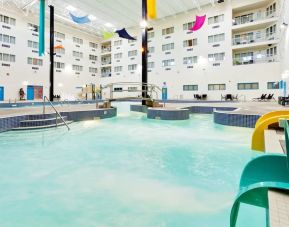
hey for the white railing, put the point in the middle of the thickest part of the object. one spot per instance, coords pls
(106, 74)
(255, 59)
(106, 50)
(255, 38)
(252, 17)
(106, 63)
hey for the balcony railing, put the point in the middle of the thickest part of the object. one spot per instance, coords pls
(105, 50)
(106, 74)
(255, 59)
(253, 17)
(254, 38)
(106, 62)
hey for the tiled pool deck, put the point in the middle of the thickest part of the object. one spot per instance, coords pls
(278, 201)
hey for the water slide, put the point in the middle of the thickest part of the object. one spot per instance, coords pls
(258, 177)
(258, 140)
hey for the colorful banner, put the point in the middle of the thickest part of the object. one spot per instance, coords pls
(42, 28)
(152, 9)
(200, 20)
(79, 20)
(123, 34)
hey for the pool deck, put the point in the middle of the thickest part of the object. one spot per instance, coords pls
(253, 108)
(278, 201)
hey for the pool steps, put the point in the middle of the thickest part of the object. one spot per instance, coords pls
(42, 123)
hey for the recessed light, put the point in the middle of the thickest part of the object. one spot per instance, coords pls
(91, 17)
(70, 8)
(109, 25)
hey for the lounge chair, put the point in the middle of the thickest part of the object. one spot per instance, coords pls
(262, 98)
(264, 173)
(236, 98)
(204, 96)
(229, 97)
(270, 97)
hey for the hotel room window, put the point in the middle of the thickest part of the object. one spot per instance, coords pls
(168, 31)
(217, 87)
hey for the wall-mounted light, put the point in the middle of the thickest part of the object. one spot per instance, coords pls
(284, 25)
(143, 24)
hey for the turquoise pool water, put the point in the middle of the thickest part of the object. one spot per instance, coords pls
(126, 171)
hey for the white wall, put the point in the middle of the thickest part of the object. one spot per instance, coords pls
(179, 75)
(200, 75)
(20, 73)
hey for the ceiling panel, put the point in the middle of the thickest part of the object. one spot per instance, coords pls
(119, 13)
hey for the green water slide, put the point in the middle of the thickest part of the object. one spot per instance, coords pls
(259, 176)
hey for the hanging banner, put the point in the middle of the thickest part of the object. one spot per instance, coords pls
(152, 9)
(42, 28)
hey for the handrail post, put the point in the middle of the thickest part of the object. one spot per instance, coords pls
(44, 105)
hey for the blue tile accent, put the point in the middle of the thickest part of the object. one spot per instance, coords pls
(173, 115)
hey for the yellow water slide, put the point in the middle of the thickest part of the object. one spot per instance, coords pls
(258, 140)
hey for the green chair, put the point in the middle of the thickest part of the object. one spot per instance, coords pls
(259, 176)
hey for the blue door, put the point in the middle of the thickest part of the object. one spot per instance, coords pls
(30, 92)
(1, 93)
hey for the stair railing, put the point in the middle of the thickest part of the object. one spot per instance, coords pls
(57, 113)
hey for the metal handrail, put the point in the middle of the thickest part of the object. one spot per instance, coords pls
(57, 113)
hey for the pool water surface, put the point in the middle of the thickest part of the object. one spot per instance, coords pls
(125, 171)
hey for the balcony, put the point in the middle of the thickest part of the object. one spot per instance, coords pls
(255, 59)
(105, 50)
(106, 74)
(253, 17)
(254, 39)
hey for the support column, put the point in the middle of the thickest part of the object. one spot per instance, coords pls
(144, 53)
(51, 73)
(42, 28)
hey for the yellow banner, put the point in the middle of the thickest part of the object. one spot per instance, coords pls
(152, 9)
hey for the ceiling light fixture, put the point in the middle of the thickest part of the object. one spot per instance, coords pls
(91, 17)
(109, 25)
(71, 8)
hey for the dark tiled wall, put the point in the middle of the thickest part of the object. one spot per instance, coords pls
(138, 108)
(182, 114)
(238, 120)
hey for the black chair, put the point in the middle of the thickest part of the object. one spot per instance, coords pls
(270, 97)
(204, 96)
(262, 98)
(236, 98)
(229, 97)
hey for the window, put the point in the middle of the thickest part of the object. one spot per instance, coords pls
(77, 54)
(33, 27)
(151, 50)
(32, 44)
(167, 47)
(93, 45)
(118, 56)
(168, 31)
(190, 88)
(190, 43)
(7, 20)
(131, 40)
(78, 68)
(271, 51)
(216, 19)
(34, 61)
(132, 89)
(59, 35)
(92, 70)
(190, 60)
(7, 57)
(118, 43)
(213, 87)
(188, 26)
(77, 40)
(59, 65)
(216, 57)
(273, 85)
(151, 65)
(118, 69)
(270, 10)
(132, 53)
(216, 38)
(59, 51)
(170, 62)
(118, 89)
(132, 67)
(248, 86)
(270, 31)
(92, 57)
(7, 39)
(151, 35)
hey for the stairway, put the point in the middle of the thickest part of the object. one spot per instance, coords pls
(42, 122)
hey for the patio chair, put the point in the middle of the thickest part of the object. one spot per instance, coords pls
(270, 97)
(229, 97)
(262, 98)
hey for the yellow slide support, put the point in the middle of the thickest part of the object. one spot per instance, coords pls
(258, 140)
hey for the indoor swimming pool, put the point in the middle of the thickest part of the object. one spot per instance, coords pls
(126, 171)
